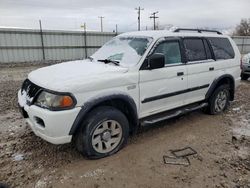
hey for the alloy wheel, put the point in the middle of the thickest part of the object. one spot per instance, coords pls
(107, 136)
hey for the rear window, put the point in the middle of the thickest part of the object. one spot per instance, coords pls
(222, 48)
(195, 49)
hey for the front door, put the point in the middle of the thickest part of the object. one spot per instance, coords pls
(164, 88)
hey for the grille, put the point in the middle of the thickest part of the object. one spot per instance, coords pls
(31, 90)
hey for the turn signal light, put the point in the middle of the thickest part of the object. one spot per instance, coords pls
(66, 101)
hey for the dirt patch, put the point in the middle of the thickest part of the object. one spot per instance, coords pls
(221, 142)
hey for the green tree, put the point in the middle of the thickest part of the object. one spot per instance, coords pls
(243, 29)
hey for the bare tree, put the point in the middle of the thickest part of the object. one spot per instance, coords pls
(243, 29)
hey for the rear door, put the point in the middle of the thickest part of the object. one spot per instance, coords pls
(162, 89)
(201, 68)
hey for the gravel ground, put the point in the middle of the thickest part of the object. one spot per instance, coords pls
(222, 143)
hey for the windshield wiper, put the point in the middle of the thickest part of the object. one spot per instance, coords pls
(106, 61)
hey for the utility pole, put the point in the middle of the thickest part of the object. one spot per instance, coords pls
(139, 17)
(154, 17)
(101, 17)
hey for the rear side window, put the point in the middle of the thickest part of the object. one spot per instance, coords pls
(222, 48)
(195, 50)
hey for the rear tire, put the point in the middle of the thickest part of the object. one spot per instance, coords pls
(104, 132)
(219, 100)
(244, 76)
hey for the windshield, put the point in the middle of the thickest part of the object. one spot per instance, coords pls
(126, 50)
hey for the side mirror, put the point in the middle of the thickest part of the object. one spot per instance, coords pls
(156, 61)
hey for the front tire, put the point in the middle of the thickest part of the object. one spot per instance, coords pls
(104, 132)
(219, 100)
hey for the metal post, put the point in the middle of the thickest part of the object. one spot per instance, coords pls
(139, 19)
(116, 29)
(101, 17)
(242, 47)
(85, 41)
(41, 34)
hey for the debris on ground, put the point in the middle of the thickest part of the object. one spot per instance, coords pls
(176, 160)
(184, 152)
(18, 157)
(179, 156)
(236, 109)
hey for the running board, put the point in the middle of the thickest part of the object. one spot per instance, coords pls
(171, 114)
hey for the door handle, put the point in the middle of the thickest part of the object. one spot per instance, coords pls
(211, 68)
(180, 73)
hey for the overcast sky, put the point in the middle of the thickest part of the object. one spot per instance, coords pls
(70, 14)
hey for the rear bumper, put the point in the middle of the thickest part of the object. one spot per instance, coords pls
(245, 69)
(52, 126)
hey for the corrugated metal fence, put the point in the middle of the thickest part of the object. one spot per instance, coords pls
(243, 43)
(22, 45)
(19, 45)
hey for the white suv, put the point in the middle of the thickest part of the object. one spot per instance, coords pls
(136, 79)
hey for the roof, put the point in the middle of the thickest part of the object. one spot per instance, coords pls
(165, 33)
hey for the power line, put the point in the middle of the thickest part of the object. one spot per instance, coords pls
(101, 17)
(139, 17)
(154, 17)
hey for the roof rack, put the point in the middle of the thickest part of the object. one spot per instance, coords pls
(198, 30)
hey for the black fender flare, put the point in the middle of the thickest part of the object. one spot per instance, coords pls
(88, 106)
(215, 83)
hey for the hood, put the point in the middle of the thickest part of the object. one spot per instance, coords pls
(71, 75)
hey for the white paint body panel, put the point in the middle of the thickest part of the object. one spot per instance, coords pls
(159, 82)
(199, 75)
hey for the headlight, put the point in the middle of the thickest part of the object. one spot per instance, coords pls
(54, 101)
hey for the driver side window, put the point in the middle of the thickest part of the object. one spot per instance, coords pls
(171, 51)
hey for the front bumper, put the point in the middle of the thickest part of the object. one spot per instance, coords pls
(52, 126)
(246, 69)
